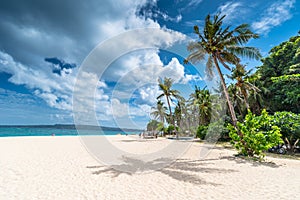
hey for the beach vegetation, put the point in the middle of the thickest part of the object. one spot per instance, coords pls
(165, 86)
(259, 133)
(152, 125)
(289, 124)
(221, 45)
(279, 77)
(273, 87)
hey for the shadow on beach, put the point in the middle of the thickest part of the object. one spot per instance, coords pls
(244, 160)
(185, 170)
(181, 169)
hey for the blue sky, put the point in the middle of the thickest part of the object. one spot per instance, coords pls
(46, 45)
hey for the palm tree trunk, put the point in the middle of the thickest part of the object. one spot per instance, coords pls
(246, 99)
(171, 116)
(232, 113)
(240, 110)
(231, 109)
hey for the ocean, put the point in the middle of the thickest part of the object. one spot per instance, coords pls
(60, 130)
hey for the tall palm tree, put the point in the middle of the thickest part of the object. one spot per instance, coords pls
(169, 94)
(159, 111)
(181, 115)
(222, 46)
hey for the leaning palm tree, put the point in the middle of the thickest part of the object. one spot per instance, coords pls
(169, 94)
(222, 46)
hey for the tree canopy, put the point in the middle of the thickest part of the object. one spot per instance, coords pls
(280, 75)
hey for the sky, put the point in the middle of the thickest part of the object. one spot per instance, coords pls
(98, 62)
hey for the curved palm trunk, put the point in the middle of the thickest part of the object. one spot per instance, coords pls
(232, 113)
(231, 109)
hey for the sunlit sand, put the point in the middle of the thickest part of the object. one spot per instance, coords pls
(61, 168)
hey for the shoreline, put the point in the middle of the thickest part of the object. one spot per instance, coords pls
(51, 136)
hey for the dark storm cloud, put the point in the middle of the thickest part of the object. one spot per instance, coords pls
(32, 29)
(59, 65)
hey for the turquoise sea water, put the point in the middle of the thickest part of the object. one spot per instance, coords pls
(40, 131)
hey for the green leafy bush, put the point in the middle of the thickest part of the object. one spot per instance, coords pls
(255, 135)
(171, 129)
(212, 132)
(152, 125)
(289, 124)
(201, 132)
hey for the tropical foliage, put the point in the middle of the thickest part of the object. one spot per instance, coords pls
(152, 125)
(242, 89)
(280, 75)
(160, 111)
(169, 94)
(213, 132)
(258, 134)
(274, 86)
(222, 45)
(289, 124)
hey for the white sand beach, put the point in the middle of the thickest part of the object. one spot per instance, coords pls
(62, 168)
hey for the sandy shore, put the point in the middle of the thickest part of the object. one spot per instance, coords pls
(62, 168)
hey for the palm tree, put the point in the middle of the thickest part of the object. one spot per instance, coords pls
(201, 100)
(256, 99)
(222, 46)
(159, 111)
(181, 115)
(168, 93)
(244, 87)
(237, 100)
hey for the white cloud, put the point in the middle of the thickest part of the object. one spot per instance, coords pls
(194, 3)
(275, 15)
(140, 68)
(231, 9)
(175, 71)
(119, 109)
(194, 22)
(22, 74)
(35, 42)
(55, 90)
(148, 95)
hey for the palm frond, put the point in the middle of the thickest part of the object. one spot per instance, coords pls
(197, 53)
(209, 67)
(160, 96)
(249, 52)
(227, 57)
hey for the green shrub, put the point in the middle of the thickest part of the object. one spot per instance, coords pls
(171, 129)
(289, 124)
(152, 125)
(201, 132)
(255, 135)
(162, 129)
(212, 132)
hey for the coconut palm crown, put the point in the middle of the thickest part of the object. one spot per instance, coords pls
(221, 45)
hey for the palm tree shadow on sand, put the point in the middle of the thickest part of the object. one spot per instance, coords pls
(181, 170)
(244, 160)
